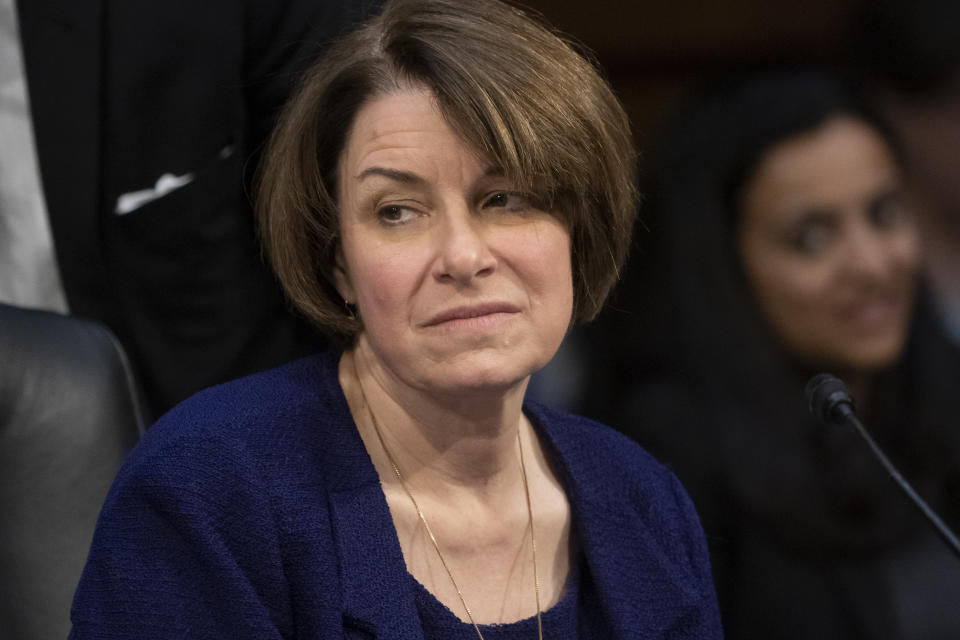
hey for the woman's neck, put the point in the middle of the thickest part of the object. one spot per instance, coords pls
(460, 458)
(439, 441)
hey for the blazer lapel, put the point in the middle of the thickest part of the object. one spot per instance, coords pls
(62, 46)
(378, 595)
(621, 552)
(631, 565)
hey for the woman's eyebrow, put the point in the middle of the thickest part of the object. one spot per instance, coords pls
(405, 177)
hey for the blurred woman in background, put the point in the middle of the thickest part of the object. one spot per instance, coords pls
(782, 243)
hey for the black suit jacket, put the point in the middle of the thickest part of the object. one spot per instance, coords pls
(124, 91)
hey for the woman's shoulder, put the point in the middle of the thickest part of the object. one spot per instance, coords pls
(249, 422)
(251, 443)
(596, 453)
(285, 395)
(206, 504)
(310, 379)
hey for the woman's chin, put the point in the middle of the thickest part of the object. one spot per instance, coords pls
(863, 357)
(478, 382)
(482, 369)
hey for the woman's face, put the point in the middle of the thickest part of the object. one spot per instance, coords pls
(462, 283)
(829, 247)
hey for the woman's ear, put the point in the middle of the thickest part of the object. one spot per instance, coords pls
(342, 279)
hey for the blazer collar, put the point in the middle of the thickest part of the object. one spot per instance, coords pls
(378, 594)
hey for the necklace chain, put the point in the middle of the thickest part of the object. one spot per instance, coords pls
(433, 538)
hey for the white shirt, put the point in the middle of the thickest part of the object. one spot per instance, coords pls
(28, 266)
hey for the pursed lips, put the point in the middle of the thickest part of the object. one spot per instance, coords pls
(469, 312)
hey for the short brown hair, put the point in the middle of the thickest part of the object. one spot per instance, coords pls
(508, 85)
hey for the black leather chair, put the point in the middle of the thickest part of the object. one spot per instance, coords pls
(68, 415)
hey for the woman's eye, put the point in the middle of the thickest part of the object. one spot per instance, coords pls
(811, 239)
(887, 211)
(395, 214)
(507, 200)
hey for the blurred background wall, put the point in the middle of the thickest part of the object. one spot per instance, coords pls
(654, 53)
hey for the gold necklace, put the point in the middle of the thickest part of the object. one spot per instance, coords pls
(433, 539)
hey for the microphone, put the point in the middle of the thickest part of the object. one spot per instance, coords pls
(831, 403)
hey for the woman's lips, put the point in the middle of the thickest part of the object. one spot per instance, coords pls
(478, 315)
(874, 315)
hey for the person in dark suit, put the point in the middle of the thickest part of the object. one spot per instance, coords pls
(148, 118)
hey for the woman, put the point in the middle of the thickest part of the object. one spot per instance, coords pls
(451, 188)
(783, 244)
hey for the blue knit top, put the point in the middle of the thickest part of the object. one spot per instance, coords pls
(253, 511)
(559, 621)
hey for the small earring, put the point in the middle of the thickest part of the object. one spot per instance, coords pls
(349, 307)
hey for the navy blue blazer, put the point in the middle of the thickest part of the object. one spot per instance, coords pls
(254, 511)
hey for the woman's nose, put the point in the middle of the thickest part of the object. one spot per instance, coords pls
(464, 250)
(868, 253)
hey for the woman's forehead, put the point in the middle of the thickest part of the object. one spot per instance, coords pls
(404, 135)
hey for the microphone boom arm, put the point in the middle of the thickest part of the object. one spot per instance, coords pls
(831, 403)
(942, 529)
